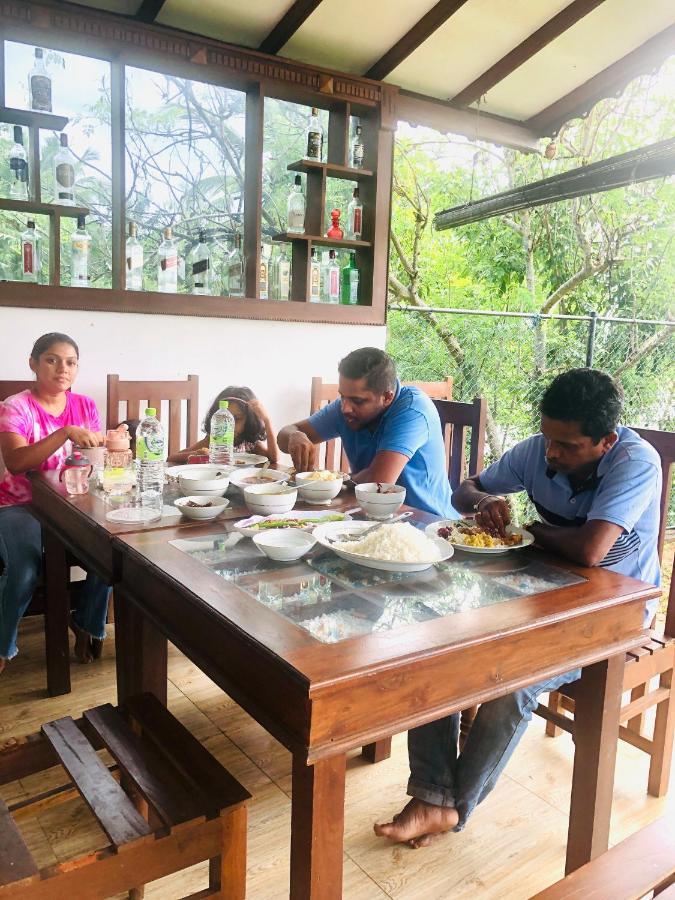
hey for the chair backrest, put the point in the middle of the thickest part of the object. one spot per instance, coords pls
(456, 421)
(152, 393)
(664, 444)
(324, 393)
(7, 388)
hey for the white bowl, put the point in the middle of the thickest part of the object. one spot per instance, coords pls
(315, 490)
(218, 504)
(208, 480)
(238, 477)
(285, 545)
(264, 499)
(188, 490)
(379, 504)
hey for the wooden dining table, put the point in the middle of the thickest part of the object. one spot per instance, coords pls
(464, 632)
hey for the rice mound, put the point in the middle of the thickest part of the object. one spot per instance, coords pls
(398, 542)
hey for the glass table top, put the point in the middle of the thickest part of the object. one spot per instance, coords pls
(334, 600)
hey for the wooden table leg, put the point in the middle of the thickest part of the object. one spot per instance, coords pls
(596, 734)
(57, 608)
(317, 827)
(141, 652)
(377, 751)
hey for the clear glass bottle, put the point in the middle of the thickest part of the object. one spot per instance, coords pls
(30, 256)
(201, 266)
(314, 278)
(357, 148)
(134, 255)
(264, 272)
(296, 208)
(331, 280)
(80, 245)
(167, 266)
(283, 270)
(349, 294)
(18, 166)
(236, 271)
(40, 84)
(221, 436)
(314, 135)
(64, 174)
(355, 217)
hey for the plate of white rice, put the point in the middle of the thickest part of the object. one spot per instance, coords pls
(398, 547)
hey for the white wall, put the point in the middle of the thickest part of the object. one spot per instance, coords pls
(275, 359)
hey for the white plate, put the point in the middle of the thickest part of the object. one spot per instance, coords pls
(199, 469)
(334, 529)
(432, 529)
(249, 459)
(312, 518)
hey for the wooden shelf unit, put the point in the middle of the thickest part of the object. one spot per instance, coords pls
(43, 209)
(31, 118)
(332, 171)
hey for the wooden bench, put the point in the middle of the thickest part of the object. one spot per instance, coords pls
(644, 862)
(164, 805)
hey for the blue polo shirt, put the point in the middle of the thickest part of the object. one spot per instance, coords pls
(625, 489)
(411, 426)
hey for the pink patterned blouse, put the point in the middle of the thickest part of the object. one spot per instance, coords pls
(21, 414)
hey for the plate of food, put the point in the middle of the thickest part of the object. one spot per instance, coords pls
(303, 520)
(395, 547)
(249, 459)
(472, 538)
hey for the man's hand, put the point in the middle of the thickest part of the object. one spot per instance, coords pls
(301, 451)
(493, 515)
(82, 437)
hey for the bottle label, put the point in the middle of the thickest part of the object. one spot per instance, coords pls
(263, 280)
(315, 281)
(357, 221)
(41, 92)
(65, 175)
(201, 265)
(284, 281)
(221, 437)
(169, 262)
(354, 287)
(296, 219)
(235, 279)
(150, 447)
(20, 168)
(81, 247)
(134, 259)
(357, 156)
(334, 281)
(28, 259)
(314, 145)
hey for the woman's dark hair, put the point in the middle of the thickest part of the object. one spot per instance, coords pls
(374, 365)
(254, 430)
(48, 340)
(587, 396)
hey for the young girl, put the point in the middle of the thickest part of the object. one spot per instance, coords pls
(253, 432)
(37, 429)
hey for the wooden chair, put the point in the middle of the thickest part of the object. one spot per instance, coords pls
(324, 393)
(641, 863)
(457, 419)
(152, 393)
(8, 388)
(165, 804)
(656, 658)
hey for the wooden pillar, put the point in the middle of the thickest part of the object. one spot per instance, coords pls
(253, 154)
(117, 100)
(141, 651)
(57, 609)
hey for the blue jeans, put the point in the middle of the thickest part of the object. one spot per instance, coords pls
(21, 554)
(442, 777)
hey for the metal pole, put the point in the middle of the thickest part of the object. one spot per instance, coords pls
(590, 348)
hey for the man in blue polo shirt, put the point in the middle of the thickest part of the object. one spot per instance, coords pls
(596, 487)
(390, 433)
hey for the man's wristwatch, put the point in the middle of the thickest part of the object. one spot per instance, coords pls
(483, 499)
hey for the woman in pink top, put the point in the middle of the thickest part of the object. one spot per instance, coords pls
(37, 430)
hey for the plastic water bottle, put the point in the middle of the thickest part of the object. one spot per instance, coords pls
(150, 459)
(221, 438)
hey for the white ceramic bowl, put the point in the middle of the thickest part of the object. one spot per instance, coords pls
(208, 479)
(189, 490)
(218, 504)
(379, 504)
(315, 490)
(265, 499)
(286, 544)
(239, 476)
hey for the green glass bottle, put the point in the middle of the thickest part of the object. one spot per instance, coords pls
(349, 293)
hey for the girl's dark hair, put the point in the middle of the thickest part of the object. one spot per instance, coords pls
(587, 396)
(254, 430)
(48, 340)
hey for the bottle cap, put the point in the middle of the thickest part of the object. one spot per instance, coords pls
(64, 139)
(359, 129)
(298, 179)
(38, 53)
(18, 134)
(315, 111)
(132, 229)
(202, 237)
(331, 253)
(118, 438)
(81, 221)
(76, 460)
(151, 411)
(31, 224)
(356, 192)
(167, 234)
(223, 404)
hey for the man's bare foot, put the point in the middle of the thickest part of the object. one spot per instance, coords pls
(417, 822)
(83, 652)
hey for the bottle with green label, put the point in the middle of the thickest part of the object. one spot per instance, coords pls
(150, 453)
(221, 436)
(349, 293)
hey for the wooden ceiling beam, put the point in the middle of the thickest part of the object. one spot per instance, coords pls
(432, 21)
(149, 10)
(548, 32)
(287, 25)
(609, 82)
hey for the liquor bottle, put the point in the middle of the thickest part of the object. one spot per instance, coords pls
(355, 217)
(236, 271)
(40, 85)
(314, 278)
(296, 208)
(18, 165)
(134, 254)
(335, 231)
(64, 174)
(350, 282)
(30, 257)
(264, 272)
(79, 255)
(283, 272)
(357, 149)
(167, 268)
(314, 137)
(331, 280)
(201, 267)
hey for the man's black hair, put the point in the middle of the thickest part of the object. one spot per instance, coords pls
(587, 396)
(374, 365)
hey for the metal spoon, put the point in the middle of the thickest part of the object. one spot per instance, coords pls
(347, 535)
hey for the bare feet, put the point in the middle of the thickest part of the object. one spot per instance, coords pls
(83, 652)
(418, 822)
